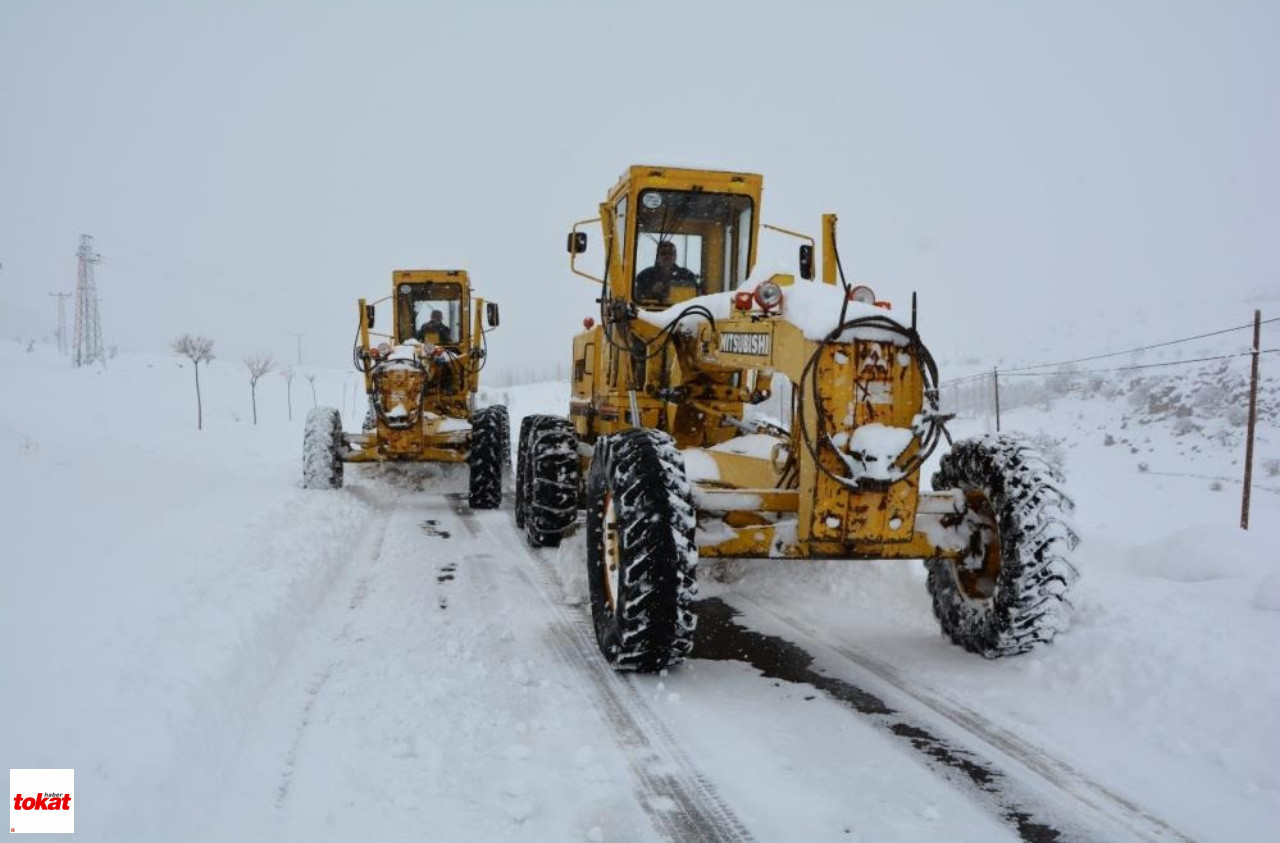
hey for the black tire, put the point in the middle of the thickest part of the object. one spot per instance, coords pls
(522, 447)
(504, 439)
(489, 438)
(641, 555)
(1009, 595)
(322, 447)
(548, 485)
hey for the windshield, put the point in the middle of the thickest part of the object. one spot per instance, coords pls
(430, 312)
(690, 243)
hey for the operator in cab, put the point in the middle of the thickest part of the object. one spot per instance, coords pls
(434, 330)
(654, 283)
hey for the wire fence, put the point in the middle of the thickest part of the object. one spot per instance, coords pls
(1221, 395)
(1010, 387)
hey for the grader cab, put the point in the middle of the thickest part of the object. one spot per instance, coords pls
(663, 448)
(421, 374)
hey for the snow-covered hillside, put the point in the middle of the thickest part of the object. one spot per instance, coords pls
(222, 655)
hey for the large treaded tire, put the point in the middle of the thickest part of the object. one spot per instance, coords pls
(322, 446)
(489, 440)
(641, 554)
(547, 488)
(521, 461)
(1018, 601)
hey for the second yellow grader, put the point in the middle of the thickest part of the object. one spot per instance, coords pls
(421, 375)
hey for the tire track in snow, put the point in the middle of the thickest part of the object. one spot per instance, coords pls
(1091, 797)
(681, 801)
(370, 549)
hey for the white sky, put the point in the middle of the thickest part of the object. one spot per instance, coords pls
(248, 170)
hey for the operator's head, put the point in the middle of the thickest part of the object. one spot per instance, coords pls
(666, 254)
(437, 316)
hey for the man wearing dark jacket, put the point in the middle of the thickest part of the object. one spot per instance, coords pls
(655, 282)
(435, 330)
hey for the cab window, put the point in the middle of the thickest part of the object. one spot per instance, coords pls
(420, 302)
(710, 234)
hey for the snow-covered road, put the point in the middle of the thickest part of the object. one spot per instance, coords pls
(221, 655)
(448, 683)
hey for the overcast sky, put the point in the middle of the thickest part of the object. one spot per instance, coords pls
(249, 169)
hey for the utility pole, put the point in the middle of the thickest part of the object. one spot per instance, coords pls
(299, 336)
(1253, 420)
(88, 345)
(62, 321)
(995, 379)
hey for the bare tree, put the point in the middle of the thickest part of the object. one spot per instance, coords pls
(198, 350)
(286, 372)
(311, 378)
(258, 365)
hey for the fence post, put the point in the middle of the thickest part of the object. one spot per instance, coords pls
(995, 376)
(1253, 421)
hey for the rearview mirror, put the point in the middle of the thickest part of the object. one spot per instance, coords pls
(577, 242)
(491, 313)
(368, 315)
(806, 262)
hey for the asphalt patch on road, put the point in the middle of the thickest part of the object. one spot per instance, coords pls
(719, 637)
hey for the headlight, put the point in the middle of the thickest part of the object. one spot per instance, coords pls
(862, 294)
(769, 296)
(384, 350)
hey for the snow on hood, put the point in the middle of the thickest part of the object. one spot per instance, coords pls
(811, 306)
(450, 425)
(759, 445)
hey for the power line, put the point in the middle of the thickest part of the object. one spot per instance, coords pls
(1117, 353)
(1017, 374)
(966, 379)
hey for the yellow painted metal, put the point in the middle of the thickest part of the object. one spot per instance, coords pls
(753, 542)
(415, 432)
(829, 249)
(788, 231)
(637, 179)
(573, 256)
(364, 339)
(421, 454)
(740, 470)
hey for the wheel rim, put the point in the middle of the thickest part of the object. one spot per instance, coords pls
(978, 582)
(612, 573)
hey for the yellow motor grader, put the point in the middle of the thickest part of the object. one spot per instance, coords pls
(660, 448)
(421, 378)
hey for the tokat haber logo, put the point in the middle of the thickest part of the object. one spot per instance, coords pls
(40, 801)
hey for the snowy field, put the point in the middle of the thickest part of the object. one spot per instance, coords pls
(221, 655)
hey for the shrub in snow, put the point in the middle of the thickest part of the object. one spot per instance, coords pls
(1139, 394)
(1210, 396)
